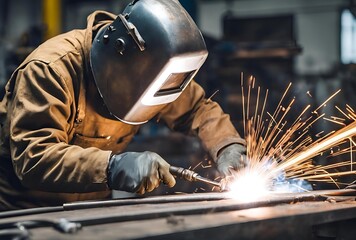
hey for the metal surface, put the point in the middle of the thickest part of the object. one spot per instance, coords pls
(313, 215)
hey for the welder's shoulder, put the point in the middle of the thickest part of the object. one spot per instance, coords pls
(68, 46)
(63, 55)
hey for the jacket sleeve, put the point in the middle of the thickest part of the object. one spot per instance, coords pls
(41, 113)
(195, 115)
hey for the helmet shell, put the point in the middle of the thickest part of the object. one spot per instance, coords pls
(124, 69)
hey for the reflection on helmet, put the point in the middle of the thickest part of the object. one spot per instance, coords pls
(145, 58)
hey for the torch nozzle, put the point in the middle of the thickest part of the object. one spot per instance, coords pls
(192, 176)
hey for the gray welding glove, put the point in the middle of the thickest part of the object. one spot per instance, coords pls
(138, 172)
(231, 158)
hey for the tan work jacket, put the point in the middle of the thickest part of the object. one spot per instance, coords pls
(57, 136)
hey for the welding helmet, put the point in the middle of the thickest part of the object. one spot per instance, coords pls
(145, 58)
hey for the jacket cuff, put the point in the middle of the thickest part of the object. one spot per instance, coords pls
(226, 142)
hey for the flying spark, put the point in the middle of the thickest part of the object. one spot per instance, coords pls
(280, 152)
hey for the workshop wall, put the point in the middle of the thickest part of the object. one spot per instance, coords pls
(20, 21)
(317, 32)
(317, 25)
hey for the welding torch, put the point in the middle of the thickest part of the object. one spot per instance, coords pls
(192, 176)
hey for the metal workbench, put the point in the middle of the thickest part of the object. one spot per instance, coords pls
(324, 214)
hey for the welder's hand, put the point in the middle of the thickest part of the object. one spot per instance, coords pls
(138, 172)
(231, 158)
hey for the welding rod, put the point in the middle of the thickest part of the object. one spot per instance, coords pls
(192, 176)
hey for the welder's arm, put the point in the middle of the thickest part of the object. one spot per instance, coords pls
(138, 172)
(42, 157)
(195, 115)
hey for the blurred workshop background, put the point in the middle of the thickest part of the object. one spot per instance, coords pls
(310, 43)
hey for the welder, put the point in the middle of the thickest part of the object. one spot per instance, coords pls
(72, 107)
